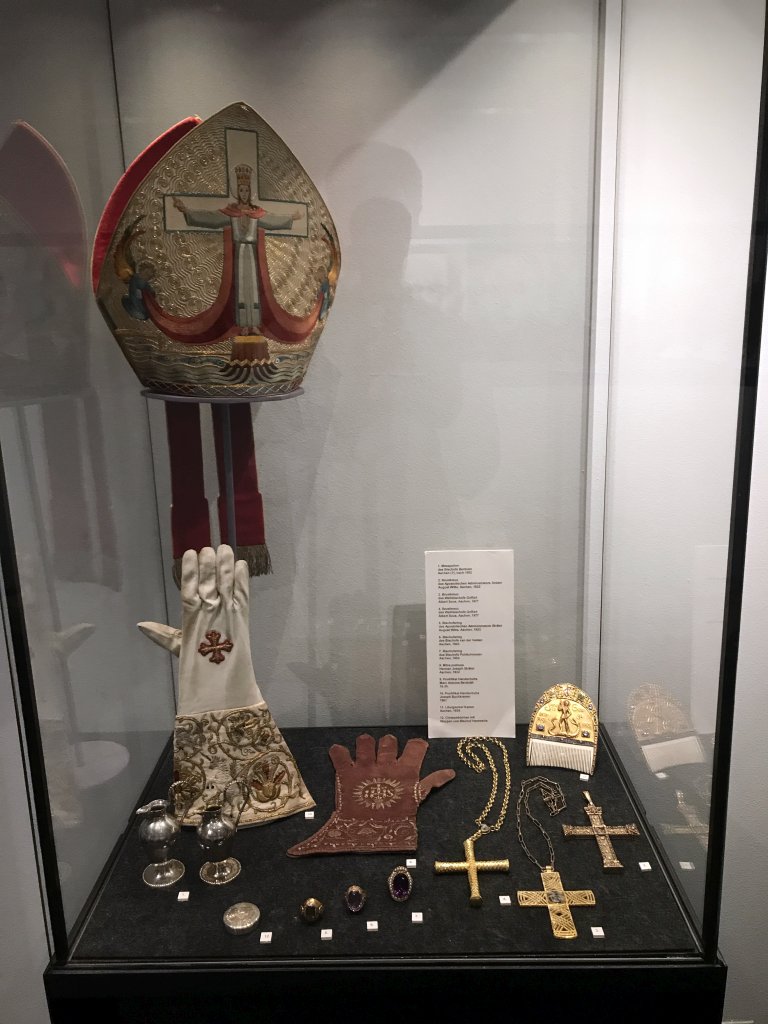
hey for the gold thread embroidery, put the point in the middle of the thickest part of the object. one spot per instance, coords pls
(378, 794)
(215, 748)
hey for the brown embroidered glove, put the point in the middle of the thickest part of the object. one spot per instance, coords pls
(377, 797)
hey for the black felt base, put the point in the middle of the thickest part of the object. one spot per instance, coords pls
(136, 930)
(636, 910)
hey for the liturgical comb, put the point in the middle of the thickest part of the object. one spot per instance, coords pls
(563, 730)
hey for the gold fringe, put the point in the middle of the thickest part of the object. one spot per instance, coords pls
(257, 557)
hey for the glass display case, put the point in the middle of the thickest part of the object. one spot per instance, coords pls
(547, 213)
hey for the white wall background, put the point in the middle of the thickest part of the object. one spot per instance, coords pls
(742, 930)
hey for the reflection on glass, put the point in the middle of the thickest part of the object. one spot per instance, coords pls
(55, 442)
(44, 381)
(662, 726)
(694, 825)
(675, 786)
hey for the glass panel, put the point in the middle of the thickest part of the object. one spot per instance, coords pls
(75, 442)
(445, 406)
(690, 94)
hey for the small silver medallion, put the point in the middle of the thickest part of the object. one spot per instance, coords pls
(241, 918)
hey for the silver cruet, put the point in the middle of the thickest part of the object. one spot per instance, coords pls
(216, 835)
(158, 833)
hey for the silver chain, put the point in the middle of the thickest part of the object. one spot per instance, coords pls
(554, 798)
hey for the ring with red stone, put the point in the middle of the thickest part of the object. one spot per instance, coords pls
(354, 898)
(400, 884)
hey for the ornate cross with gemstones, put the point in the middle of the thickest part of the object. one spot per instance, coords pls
(215, 647)
(558, 901)
(601, 832)
(472, 866)
(695, 827)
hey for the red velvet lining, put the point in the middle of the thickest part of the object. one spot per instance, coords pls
(127, 185)
(249, 507)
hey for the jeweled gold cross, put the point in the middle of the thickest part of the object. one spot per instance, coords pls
(472, 866)
(558, 901)
(601, 832)
(215, 646)
(695, 827)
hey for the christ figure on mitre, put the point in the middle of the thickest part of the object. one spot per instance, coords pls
(245, 308)
(247, 221)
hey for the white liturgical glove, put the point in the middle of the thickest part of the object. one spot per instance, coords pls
(213, 644)
(224, 730)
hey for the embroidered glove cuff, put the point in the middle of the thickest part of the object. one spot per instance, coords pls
(213, 749)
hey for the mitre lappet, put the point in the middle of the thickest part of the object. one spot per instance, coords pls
(215, 265)
(225, 733)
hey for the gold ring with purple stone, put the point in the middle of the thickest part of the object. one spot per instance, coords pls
(354, 898)
(400, 884)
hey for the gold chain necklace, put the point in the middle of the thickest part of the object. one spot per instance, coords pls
(469, 750)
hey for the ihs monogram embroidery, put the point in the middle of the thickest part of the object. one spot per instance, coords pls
(378, 793)
(214, 647)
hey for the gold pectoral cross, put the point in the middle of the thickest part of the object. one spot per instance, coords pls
(472, 866)
(695, 827)
(601, 832)
(558, 901)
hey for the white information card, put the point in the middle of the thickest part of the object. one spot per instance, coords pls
(471, 642)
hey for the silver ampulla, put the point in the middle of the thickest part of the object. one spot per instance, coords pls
(158, 832)
(216, 835)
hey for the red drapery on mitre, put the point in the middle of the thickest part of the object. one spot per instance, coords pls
(218, 321)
